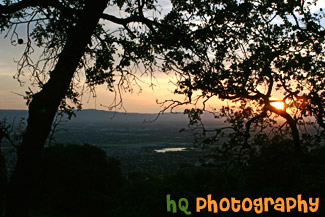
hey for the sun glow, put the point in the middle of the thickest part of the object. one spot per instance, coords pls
(278, 104)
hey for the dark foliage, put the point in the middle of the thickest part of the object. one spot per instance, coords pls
(277, 175)
(81, 181)
(77, 181)
(3, 181)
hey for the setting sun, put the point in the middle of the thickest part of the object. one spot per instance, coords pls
(278, 104)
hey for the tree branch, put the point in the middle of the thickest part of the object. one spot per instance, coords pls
(248, 125)
(132, 19)
(292, 123)
(24, 4)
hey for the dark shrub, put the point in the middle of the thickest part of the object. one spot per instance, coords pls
(3, 181)
(78, 180)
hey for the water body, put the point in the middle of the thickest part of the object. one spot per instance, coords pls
(164, 150)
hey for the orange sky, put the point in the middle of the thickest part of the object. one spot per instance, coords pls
(143, 102)
(11, 92)
(133, 102)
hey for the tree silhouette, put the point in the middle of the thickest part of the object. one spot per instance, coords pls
(252, 52)
(74, 39)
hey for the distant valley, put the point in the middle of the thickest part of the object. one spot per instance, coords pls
(129, 137)
(105, 128)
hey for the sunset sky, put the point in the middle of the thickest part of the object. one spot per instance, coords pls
(133, 102)
(11, 92)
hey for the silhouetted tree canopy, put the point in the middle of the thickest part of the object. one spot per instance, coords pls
(251, 52)
(116, 50)
(101, 41)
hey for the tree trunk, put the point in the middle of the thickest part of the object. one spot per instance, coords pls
(293, 126)
(3, 177)
(43, 108)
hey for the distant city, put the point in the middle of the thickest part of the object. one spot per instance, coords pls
(140, 142)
